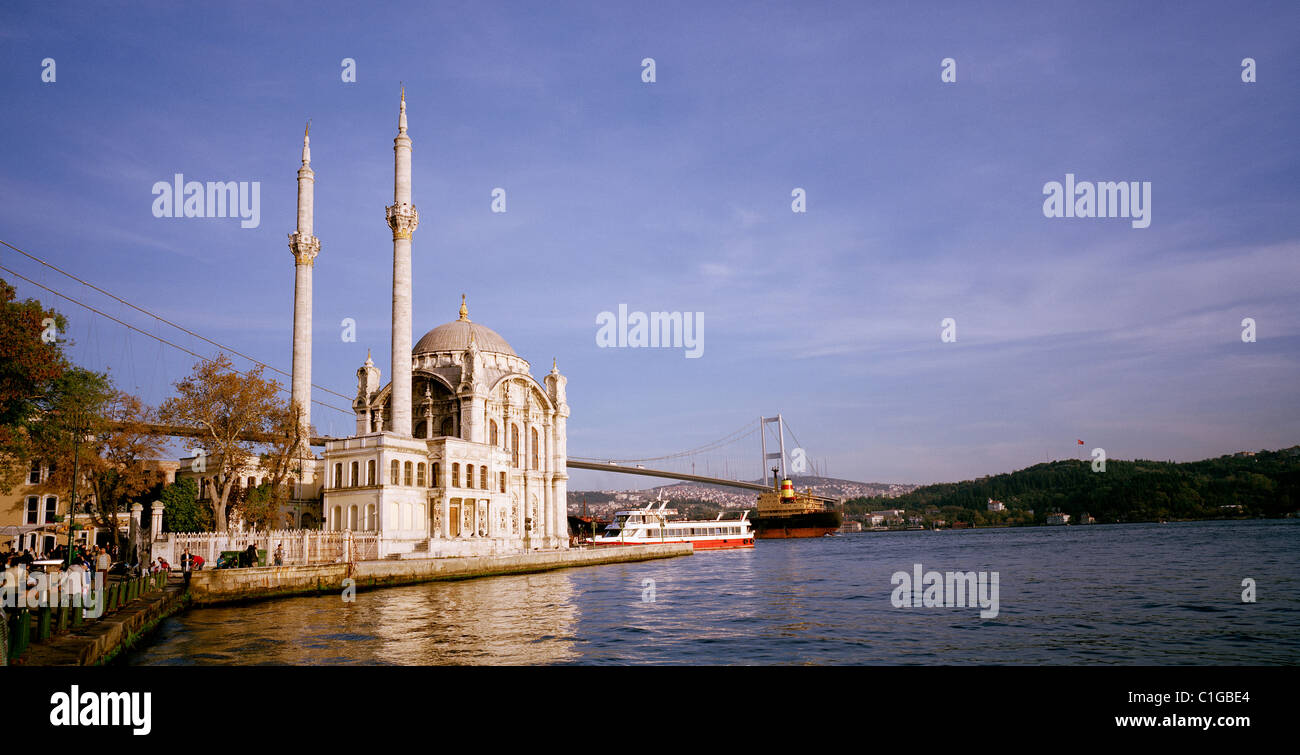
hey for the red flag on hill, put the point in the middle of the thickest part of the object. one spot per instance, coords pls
(1080, 442)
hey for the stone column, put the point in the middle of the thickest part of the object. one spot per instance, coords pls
(304, 247)
(403, 219)
(155, 518)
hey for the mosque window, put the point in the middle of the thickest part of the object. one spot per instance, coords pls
(503, 482)
(455, 475)
(469, 475)
(406, 476)
(370, 472)
(482, 478)
(419, 474)
(447, 426)
(514, 445)
(492, 432)
(338, 475)
(434, 482)
(533, 448)
(393, 470)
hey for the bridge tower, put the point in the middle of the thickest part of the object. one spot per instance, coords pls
(763, 422)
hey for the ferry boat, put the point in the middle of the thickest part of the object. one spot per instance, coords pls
(653, 525)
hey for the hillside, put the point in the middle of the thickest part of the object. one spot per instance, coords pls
(1266, 483)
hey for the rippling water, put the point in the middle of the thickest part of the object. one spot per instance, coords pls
(1128, 594)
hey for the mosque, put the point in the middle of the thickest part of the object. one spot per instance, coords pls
(462, 452)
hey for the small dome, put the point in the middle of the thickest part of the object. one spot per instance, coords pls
(454, 336)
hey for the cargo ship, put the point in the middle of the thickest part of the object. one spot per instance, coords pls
(783, 513)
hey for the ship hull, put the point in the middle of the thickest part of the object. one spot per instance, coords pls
(799, 525)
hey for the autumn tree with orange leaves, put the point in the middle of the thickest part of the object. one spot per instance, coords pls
(235, 415)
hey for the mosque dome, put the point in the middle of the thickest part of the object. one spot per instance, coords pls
(455, 336)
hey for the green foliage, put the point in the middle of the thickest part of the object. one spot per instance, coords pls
(1266, 484)
(183, 512)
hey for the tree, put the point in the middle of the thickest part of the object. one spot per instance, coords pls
(282, 460)
(31, 362)
(107, 432)
(182, 511)
(229, 409)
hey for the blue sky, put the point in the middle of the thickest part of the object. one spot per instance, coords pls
(924, 201)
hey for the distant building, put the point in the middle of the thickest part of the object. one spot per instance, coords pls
(997, 505)
(1058, 518)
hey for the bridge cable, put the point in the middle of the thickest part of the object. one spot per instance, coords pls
(162, 319)
(157, 338)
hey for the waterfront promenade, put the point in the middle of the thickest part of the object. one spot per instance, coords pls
(150, 600)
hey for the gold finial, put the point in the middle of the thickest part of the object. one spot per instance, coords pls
(307, 131)
(555, 365)
(464, 311)
(403, 85)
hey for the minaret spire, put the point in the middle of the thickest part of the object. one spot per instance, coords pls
(403, 220)
(304, 247)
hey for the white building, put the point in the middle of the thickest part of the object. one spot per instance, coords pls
(463, 451)
(996, 505)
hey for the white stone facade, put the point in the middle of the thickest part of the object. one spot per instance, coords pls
(464, 452)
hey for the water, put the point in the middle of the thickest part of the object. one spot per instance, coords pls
(1158, 594)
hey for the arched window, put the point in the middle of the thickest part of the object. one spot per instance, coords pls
(370, 516)
(455, 475)
(393, 470)
(482, 478)
(434, 477)
(355, 478)
(352, 517)
(469, 475)
(406, 476)
(514, 445)
(492, 432)
(252, 482)
(336, 517)
(370, 472)
(447, 426)
(338, 475)
(419, 474)
(533, 448)
(503, 482)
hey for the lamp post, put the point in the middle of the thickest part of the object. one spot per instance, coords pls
(77, 422)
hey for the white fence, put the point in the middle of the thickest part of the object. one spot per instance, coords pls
(300, 546)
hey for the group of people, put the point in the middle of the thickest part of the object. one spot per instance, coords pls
(236, 560)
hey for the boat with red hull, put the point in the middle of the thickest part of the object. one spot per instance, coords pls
(653, 524)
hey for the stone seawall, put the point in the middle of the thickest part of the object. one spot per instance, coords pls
(103, 639)
(211, 587)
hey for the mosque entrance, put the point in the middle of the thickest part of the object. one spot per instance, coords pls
(453, 518)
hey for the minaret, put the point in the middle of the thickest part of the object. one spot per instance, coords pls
(403, 219)
(305, 247)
